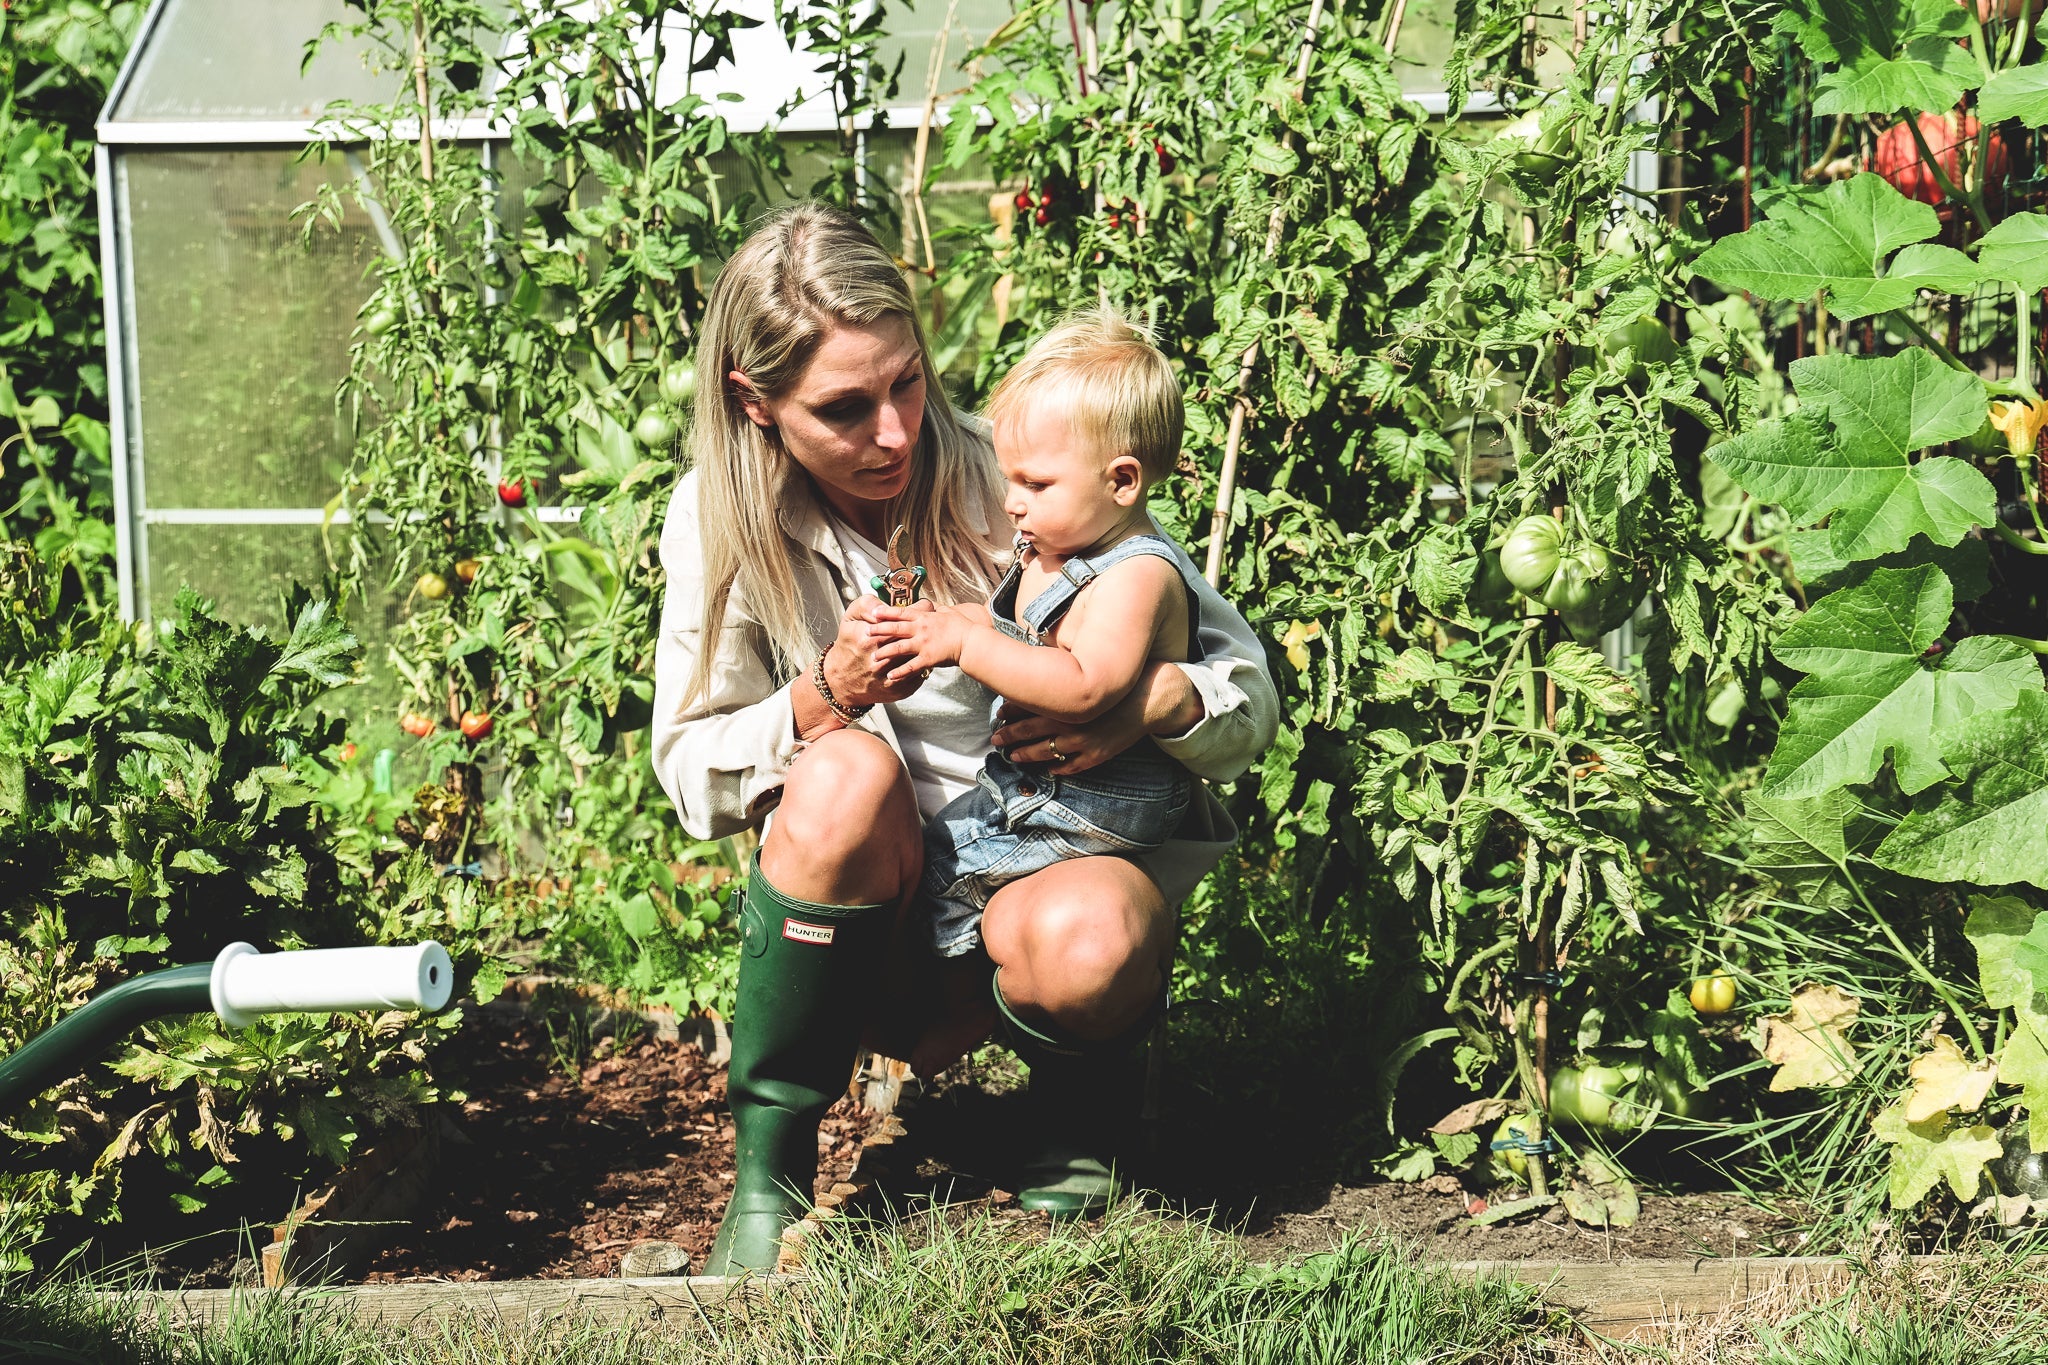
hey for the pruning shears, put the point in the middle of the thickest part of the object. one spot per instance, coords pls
(902, 584)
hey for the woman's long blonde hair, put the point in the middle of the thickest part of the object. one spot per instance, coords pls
(805, 269)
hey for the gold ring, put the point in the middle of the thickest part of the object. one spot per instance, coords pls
(1053, 745)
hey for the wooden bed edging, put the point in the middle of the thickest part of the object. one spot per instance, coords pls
(1631, 1298)
(1615, 1299)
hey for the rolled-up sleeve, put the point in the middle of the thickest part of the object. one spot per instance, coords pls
(1240, 705)
(722, 757)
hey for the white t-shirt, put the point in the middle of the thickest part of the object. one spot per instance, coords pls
(942, 728)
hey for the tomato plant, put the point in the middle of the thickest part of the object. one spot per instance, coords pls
(1363, 311)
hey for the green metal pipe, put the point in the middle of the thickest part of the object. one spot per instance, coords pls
(65, 1048)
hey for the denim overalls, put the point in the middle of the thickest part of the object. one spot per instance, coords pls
(1015, 820)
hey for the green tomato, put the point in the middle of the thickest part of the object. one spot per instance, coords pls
(1648, 338)
(1581, 580)
(1509, 1163)
(678, 383)
(380, 321)
(1547, 147)
(654, 428)
(1529, 556)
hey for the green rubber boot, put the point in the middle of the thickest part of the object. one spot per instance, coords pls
(806, 972)
(1083, 1100)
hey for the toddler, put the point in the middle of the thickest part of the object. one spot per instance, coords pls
(1084, 425)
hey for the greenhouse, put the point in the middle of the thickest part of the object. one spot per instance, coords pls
(1099, 680)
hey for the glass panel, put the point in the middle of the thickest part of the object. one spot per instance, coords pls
(247, 569)
(1424, 44)
(239, 59)
(241, 331)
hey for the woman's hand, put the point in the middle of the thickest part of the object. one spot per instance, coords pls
(858, 677)
(1162, 703)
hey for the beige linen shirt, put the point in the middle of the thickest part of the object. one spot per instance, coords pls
(723, 760)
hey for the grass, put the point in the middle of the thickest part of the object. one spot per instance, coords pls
(1131, 1291)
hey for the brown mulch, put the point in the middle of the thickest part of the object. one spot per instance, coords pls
(554, 1176)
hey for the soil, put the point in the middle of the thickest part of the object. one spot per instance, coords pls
(555, 1175)
(1247, 1173)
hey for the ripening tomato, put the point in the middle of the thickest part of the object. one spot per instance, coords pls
(467, 569)
(476, 724)
(654, 428)
(348, 752)
(1166, 162)
(1713, 994)
(1042, 217)
(512, 492)
(1952, 138)
(431, 586)
(678, 383)
(415, 724)
(1511, 1162)
(1045, 199)
(1023, 201)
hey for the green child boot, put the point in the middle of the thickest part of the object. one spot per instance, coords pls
(806, 974)
(1083, 1099)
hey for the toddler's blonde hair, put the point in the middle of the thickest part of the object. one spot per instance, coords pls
(1117, 387)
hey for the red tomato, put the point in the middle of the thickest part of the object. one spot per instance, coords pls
(413, 723)
(348, 753)
(512, 492)
(1023, 201)
(1165, 158)
(1042, 217)
(476, 724)
(1045, 199)
(1116, 220)
(1952, 138)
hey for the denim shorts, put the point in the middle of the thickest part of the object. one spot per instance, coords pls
(1015, 821)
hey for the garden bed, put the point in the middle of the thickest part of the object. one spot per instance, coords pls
(1237, 1170)
(569, 1156)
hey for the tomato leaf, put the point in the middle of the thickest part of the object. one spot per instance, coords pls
(1870, 693)
(1836, 239)
(1985, 827)
(1856, 467)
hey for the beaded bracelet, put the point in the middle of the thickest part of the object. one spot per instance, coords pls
(847, 714)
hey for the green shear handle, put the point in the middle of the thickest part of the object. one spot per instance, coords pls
(902, 584)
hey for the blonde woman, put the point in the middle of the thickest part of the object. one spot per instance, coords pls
(824, 430)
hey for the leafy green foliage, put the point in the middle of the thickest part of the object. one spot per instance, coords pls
(57, 58)
(1909, 752)
(157, 802)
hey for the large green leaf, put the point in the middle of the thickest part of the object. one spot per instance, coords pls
(2017, 250)
(1836, 238)
(1848, 453)
(1883, 55)
(1872, 691)
(1991, 825)
(1821, 571)
(2021, 93)
(1996, 927)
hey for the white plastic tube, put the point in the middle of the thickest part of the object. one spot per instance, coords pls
(247, 983)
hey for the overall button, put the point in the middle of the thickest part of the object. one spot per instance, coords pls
(1027, 789)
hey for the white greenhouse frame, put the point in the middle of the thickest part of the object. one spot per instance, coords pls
(774, 74)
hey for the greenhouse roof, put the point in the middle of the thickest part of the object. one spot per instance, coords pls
(229, 72)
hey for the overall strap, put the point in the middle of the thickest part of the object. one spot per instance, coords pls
(1050, 605)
